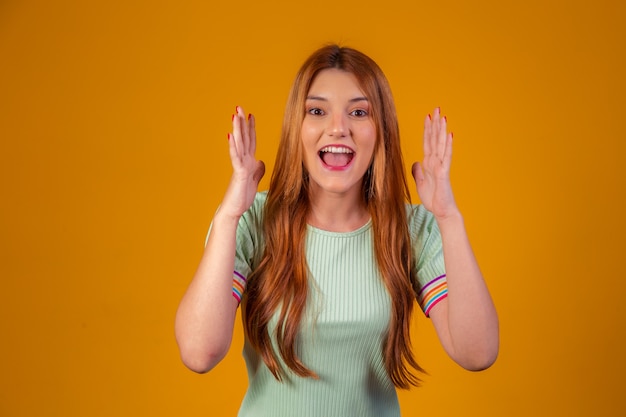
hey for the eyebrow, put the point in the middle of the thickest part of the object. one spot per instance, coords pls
(352, 100)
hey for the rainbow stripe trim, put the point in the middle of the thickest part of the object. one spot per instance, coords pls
(239, 285)
(433, 292)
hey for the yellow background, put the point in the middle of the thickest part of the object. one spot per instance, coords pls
(113, 122)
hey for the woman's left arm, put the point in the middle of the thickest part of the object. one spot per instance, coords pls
(466, 321)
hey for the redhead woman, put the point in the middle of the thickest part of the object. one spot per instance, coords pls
(329, 262)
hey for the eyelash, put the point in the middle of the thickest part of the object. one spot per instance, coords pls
(316, 111)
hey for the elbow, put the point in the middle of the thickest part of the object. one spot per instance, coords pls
(201, 362)
(200, 353)
(201, 358)
(479, 359)
(480, 362)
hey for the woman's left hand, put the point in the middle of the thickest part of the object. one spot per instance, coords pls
(466, 320)
(432, 175)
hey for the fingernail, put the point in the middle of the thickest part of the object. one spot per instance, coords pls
(249, 116)
(445, 118)
(232, 118)
(429, 118)
(236, 109)
(228, 136)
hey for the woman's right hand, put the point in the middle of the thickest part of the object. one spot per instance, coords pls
(247, 170)
(206, 314)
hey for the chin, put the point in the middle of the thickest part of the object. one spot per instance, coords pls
(340, 187)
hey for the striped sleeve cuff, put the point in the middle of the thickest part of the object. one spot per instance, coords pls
(239, 285)
(433, 292)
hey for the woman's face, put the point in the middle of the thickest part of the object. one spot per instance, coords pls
(338, 133)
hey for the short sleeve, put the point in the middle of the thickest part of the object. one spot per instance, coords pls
(249, 244)
(429, 267)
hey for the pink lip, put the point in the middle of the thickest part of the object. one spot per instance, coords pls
(333, 168)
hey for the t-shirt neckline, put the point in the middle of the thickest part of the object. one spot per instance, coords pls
(358, 231)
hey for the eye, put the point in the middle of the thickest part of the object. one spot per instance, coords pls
(315, 111)
(359, 113)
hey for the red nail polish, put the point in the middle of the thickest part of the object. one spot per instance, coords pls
(249, 116)
(445, 118)
(430, 118)
(228, 136)
(232, 118)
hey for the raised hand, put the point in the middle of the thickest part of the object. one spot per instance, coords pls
(206, 314)
(247, 170)
(432, 176)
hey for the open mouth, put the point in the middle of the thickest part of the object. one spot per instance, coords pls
(336, 156)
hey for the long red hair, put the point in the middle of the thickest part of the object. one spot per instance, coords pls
(280, 281)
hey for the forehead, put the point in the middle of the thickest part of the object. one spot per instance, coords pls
(333, 81)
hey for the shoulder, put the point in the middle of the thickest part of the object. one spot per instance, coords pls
(255, 212)
(420, 221)
(259, 201)
(251, 222)
(250, 230)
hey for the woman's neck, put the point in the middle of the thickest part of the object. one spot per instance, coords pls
(337, 212)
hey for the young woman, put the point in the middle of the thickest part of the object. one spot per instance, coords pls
(328, 263)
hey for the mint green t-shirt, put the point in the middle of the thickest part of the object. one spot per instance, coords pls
(347, 315)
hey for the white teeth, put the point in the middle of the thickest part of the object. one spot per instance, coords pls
(336, 149)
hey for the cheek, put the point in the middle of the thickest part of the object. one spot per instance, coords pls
(368, 135)
(308, 146)
(305, 134)
(371, 142)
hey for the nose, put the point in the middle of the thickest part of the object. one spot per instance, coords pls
(337, 125)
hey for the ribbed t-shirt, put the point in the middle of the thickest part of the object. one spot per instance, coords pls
(345, 322)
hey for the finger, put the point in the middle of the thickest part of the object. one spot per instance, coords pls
(441, 138)
(434, 130)
(448, 153)
(237, 136)
(243, 128)
(232, 151)
(252, 133)
(427, 133)
(245, 134)
(418, 174)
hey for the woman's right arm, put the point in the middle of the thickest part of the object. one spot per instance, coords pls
(206, 314)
